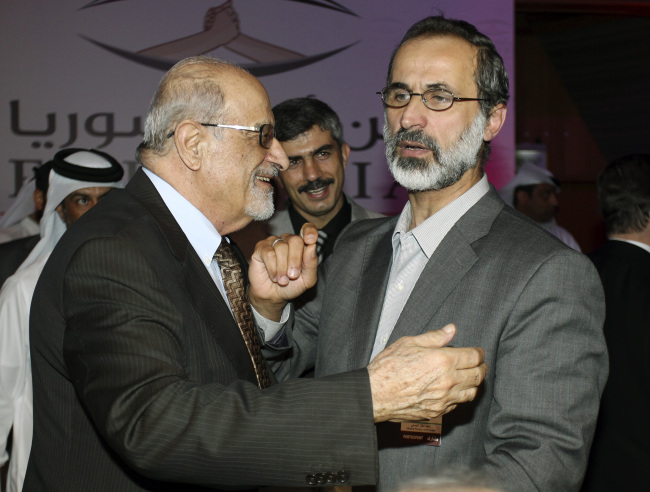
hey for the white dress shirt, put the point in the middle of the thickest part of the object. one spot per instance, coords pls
(200, 232)
(205, 239)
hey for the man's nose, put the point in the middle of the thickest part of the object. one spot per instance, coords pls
(311, 169)
(277, 156)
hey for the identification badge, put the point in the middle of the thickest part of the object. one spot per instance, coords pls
(422, 431)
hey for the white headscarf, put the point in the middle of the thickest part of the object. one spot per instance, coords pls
(21, 207)
(528, 174)
(73, 170)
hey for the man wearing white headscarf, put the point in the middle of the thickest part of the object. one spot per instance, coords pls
(533, 192)
(79, 178)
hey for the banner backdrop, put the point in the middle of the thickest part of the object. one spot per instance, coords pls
(80, 73)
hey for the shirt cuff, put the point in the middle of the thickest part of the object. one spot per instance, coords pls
(272, 330)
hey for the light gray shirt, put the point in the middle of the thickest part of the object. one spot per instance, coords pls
(411, 252)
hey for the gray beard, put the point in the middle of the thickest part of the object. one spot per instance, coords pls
(261, 206)
(446, 166)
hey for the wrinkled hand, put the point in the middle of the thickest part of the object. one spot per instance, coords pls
(418, 378)
(281, 269)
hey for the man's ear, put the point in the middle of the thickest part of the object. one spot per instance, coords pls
(495, 122)
(190, 138)
(39, 200)
(345, 154)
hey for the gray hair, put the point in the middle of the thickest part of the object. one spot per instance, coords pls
(183, 94)
(624, 194)
(490, 76)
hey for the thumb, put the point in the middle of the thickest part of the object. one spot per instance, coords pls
(438, 338)
(309, 264)
(309, 233)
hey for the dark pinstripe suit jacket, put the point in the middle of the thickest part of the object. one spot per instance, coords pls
(142, 380)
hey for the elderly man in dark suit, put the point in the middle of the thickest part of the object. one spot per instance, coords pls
(457, 254)
(146, 363)
(620, 457)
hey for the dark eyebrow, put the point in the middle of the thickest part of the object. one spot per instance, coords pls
(74, 195)
(427, 87)
(322, 148)
(399, 85)
(438, 85)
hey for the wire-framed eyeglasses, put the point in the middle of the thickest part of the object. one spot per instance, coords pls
(266, 132)
(434, 99)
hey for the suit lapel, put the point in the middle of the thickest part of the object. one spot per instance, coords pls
(201, 289)
(215, 314)
(447, 266)
(377, 259)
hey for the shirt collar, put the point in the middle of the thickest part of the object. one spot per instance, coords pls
(430, 233)
(202, 235)
(336, 224)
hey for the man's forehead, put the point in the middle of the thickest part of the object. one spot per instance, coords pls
(438, 57)
(313, 139)
(92, 190)
(546, 187)
(246, 97)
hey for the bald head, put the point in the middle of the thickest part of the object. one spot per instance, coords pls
(204, 137)
(196, 88)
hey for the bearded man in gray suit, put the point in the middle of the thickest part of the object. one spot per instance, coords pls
(457, 254)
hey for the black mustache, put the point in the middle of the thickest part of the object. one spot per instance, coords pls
(316, 184)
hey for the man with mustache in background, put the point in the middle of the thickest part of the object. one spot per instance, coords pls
(457, 254)
(311, 134)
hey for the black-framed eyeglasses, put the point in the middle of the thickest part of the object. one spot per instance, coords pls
(434, 99)
(266, 131)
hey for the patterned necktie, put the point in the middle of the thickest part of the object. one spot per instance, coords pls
(320, 243)
(233, 281)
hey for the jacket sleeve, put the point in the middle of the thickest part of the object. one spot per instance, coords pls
(551, 368)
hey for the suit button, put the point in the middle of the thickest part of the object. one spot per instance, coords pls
(320, 478)
(311, 479)
(343, 476)
(330, 477)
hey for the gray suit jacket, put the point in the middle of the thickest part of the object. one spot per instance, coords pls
(142, 380)
(533, 304)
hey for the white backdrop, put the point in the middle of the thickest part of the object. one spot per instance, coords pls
(73, 72)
